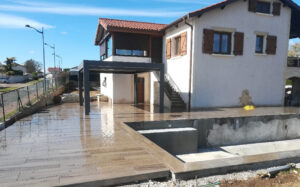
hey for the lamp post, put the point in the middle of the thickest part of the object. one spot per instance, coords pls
(42, 33)
(53, 47)
(60, 64)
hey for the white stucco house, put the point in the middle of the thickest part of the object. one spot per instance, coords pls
(212, 56)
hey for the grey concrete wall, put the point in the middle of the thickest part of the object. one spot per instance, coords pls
(174, 140)
(225, 131)
(232, 131)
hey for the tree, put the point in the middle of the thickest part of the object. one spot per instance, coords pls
(32, 66)
(9, 63)
(294, 50)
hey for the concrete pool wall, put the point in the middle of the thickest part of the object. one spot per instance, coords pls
(214, 132)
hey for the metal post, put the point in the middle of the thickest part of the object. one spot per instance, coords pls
(28, 96)
(19, 100)
(161, 90)
(80, 88)
(37, 90)
(45, 89)
(54, 61)
(135, 90)
(3, 108)
(86, 86)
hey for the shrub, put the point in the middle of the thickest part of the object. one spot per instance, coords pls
(10, 73)
(35, 76)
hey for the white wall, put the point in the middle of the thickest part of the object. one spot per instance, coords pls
(120, 87)
(20, 68)
(130, 59)
(178, 67)
(155, 92)
(123, 91)
(220, 80)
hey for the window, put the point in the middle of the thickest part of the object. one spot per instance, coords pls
(103, 57)
(263, 7)
(177, 47)
(109, 47)
(259, 44)
(222, 43)
(128, 52)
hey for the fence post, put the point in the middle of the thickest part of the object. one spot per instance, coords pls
(3, 108)
(37, 90)
(19, 100)
(28, 96)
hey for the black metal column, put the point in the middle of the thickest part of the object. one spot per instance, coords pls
(135, 90)
(80, 79)
(86, 85)
(161, 89)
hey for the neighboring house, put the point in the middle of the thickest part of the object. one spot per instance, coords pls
(19, 67)
(212, 56)
(54, 70)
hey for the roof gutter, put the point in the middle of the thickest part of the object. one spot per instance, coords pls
(191, 62)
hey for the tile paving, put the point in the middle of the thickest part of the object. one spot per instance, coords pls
(61, 146)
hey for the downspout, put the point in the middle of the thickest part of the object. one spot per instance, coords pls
(191, 64)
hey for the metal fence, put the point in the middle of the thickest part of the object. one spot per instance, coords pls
(15, 101)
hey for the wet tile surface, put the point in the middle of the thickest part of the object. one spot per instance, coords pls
(61, 145)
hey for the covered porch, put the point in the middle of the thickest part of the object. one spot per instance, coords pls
(116, 68)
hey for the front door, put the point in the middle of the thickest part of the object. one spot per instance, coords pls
(140, 90)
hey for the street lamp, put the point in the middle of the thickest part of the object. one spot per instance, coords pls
(60, 63)
(42, 33)
(53, 47)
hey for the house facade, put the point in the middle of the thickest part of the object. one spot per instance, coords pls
(212, 56)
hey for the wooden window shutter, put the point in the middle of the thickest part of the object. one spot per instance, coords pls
(252, 5)
(168, 50)
(183, 43)
(238, 43)
(276, 9)
(271, 45)
(208, 41)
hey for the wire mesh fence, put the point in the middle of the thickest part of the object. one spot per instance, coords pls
(15, 101)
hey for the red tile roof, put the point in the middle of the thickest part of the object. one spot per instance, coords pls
(112, 24)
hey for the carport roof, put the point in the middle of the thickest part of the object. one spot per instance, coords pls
(119, 67)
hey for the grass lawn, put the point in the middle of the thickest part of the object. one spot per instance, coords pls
(8, 89)
(35, 81)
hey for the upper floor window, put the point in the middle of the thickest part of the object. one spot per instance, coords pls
(128, 52)
(177, 49)
(176, 46)
(259, 44)
(222, 43)
(109, 47)
(263, 7)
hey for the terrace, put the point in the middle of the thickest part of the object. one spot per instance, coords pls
(63, 146)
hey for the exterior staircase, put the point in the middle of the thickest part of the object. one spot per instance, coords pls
(177, 103)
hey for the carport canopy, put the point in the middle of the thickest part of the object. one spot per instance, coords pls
(116, 68)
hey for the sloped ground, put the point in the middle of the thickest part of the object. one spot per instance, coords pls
(285, 179)
(289, 178)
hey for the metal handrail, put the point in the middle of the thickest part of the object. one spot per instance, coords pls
(293, 62)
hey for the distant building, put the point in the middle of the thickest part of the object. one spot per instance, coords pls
(19, 67)
(53, 70)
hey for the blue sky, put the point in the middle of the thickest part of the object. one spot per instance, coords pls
(71, 24)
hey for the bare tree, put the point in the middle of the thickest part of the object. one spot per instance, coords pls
(32, 66)
(294, 50)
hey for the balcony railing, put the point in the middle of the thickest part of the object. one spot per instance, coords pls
(293, 62)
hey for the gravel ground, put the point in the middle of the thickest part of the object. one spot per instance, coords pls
(212, 181)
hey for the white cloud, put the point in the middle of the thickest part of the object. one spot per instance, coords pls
(64, 32)
(69, 9)
(11, 21)
(201, 2)
(31, 52)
